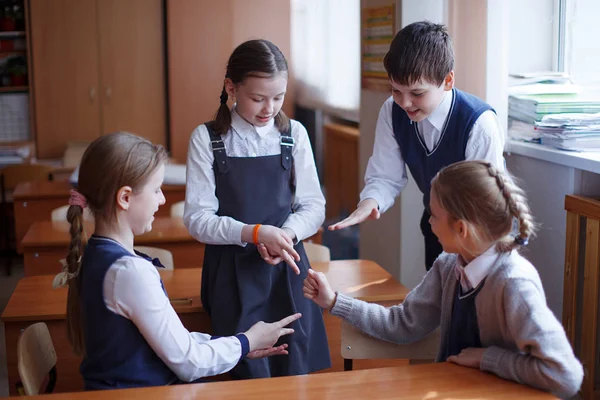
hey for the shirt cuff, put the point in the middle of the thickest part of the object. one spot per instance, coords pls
(245, 344)
(381, 206)
(296, 236)
(235, 233)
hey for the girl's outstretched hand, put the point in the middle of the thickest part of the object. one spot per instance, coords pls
(317, 289)
(262, 336)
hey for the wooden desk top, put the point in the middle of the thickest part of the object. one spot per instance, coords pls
(412, 382)
(56, 233)
(47, 189)
(34, 299)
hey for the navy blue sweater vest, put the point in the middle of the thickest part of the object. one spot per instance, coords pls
(464, 328)
(424, 165)
(117, 355)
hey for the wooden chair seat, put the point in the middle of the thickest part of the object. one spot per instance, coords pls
(357, 345)
(36, 359)
(165, 256)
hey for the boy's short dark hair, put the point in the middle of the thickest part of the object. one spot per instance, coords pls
(420, 51)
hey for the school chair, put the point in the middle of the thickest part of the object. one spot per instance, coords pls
(177, 209)
(581, 290)
(60, 214)
(165, 256)
(317, 252)
(357, 345)
(11, 176)
(36, 360)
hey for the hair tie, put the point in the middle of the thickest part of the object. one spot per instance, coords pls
(77, 199)
(520, 241)
(223, 97)
(61, 279)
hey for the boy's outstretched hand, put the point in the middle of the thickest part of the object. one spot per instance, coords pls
(317, 289)
(367, 209)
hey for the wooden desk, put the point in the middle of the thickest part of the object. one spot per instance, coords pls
(34, 300)
(46, 242)
(34, 201)
(415, 382)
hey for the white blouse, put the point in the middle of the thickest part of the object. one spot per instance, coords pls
(246, 140)
(132, 290)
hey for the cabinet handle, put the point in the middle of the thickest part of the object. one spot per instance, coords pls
(108, 92)
(92, 94)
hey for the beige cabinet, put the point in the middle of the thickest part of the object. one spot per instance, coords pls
(98, 67)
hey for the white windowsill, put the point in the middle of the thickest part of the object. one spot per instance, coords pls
(586, 161)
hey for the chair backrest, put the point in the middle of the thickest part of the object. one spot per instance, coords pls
(317, 252)
(12, 175)
(177, 209)
(60, 214)
(36, 358)
(74, 153)
(165, 256)
(357, 345)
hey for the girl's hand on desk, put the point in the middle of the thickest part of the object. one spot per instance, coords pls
(262, 336)
(317, 289)
(470, 357)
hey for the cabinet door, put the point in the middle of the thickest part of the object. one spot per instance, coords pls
(132, 67)
(65, 73)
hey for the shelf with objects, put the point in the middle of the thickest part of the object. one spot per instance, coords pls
(14, 73)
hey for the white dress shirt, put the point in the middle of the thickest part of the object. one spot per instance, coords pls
(247, 140)
(132, 290)
(470, 275)
(386, 174)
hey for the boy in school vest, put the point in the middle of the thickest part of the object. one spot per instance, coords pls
(426, 125)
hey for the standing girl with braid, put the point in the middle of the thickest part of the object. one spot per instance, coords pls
(486, 298)
(252, 196)
(119, 317)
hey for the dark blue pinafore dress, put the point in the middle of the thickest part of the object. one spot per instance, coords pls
(238, 287)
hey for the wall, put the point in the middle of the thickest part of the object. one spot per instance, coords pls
(201, 34)
(395, 240)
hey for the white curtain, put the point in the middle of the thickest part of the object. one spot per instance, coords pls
(326, 55)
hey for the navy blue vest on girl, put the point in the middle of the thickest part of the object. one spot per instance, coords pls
(464, 328)
(422, 163)
(238, 287)
(117, 355)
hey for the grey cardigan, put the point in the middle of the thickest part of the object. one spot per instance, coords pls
(523, 339)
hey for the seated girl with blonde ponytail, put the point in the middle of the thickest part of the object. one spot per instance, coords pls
(119, 317)
(486, 298)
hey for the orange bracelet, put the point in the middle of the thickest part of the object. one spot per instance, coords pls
(255, 233)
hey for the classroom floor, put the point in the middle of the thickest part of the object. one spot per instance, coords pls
(7, 285)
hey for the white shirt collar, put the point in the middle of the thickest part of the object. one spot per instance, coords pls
(478, 268)
(241, 126)
(438, 117)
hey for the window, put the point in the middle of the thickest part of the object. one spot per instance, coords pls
(557, 35)
(326, 55)
(581, 43)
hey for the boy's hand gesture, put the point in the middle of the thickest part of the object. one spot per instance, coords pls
(317, 289)
(367, 209)
(262, 336)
